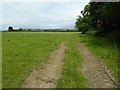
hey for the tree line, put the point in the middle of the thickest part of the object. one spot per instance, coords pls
(103, 17)
(11, 29)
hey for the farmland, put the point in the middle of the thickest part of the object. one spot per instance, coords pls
(23, 52)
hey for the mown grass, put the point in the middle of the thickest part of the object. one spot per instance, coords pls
(71, 74)
(22, 52)
(25, 51)
(104, 49)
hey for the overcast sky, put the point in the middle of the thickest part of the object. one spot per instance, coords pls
(41, 14)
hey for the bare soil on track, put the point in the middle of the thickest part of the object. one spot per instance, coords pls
(48, 75)
(94, 70)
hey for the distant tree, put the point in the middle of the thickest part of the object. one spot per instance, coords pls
(29, 29)
(45, 30)
(20, 29)
(67, 30)
(10, 28)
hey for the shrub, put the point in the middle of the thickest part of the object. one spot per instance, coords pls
(20, 29)
(10, 28)
(84, 27)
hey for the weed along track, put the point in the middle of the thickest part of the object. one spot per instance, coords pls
(94, 70)
(47, 76)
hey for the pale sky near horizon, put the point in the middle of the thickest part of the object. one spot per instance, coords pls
(48, 15)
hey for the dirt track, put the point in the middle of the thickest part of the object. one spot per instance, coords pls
(47, 76)
(94, 70)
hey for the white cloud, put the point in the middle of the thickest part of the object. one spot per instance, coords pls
(41, 15)
(44, 1)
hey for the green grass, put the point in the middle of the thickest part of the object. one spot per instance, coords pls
(104, 49)
(71, 75)
(22, 52)
(25, 51)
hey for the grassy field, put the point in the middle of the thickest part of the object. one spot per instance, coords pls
(104, 49)
(71, 75)
(22, 52)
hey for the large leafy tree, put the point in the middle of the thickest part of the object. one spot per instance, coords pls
(101, 16)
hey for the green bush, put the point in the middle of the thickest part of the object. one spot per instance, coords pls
(10, 28)
(20, 29)
(84, 27)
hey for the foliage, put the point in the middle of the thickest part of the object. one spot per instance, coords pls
(10, 28)
(101, 16)
(81, 24)
(20, 29)
(29, 29)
